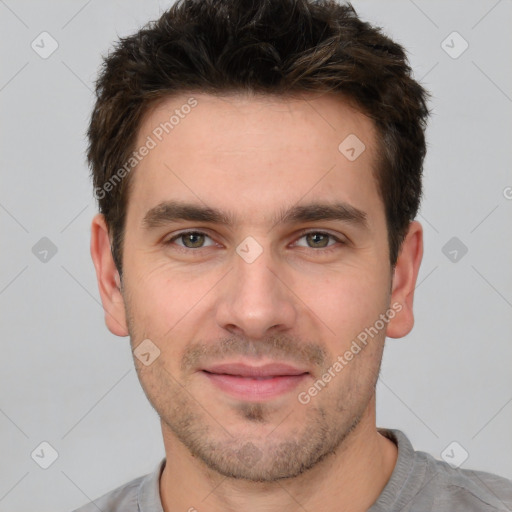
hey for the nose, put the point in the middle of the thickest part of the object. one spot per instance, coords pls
(255, 300)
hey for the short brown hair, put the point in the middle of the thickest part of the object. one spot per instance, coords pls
(275, 47)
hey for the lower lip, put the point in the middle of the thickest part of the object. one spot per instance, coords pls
(246, 388)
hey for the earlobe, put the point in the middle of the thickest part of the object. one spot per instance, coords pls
(109, 282)
(404, 281)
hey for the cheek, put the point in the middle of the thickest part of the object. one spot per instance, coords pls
(164, 301)
(346, 303)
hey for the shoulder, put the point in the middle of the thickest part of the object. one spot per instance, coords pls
(467, 490)
(141, 492)
(122, 498)
(422, 482)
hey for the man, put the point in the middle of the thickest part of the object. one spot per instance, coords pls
(258, 170)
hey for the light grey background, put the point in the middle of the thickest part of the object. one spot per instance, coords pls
(66, 380)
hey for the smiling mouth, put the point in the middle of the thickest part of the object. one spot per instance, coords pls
(255, 383)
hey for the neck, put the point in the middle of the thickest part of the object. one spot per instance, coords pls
(349, 480)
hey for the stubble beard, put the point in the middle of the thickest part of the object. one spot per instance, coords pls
(291, 448)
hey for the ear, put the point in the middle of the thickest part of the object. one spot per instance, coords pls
(404, 281)
(109, 282)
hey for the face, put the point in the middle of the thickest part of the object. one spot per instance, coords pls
(255, 254)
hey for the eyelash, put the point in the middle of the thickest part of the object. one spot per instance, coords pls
(302, 235)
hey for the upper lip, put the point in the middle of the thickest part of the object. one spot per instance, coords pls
(244, 370)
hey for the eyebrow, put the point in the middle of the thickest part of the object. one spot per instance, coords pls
(173, 211)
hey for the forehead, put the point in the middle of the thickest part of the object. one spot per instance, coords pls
(245, 151)
(245, 122)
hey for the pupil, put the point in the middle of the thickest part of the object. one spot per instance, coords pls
(193, 240)
(314, 237)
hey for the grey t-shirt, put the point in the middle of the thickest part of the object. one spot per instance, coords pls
(419, 483)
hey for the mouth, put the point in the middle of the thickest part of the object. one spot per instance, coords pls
(255, 383)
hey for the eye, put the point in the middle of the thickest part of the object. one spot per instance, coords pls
(199, 240)
(318, 240)
(191, 240)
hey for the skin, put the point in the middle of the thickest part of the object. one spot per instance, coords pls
(300, 302)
